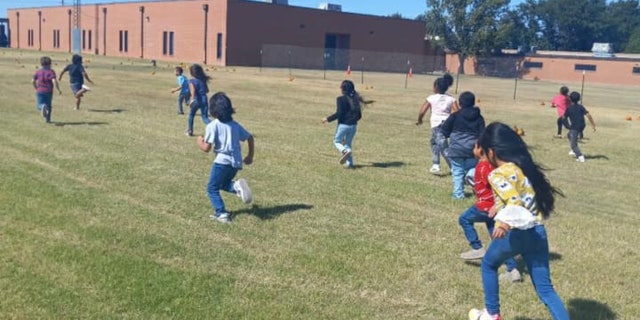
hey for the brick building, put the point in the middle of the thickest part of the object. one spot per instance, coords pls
(221, 32)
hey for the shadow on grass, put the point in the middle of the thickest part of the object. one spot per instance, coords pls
(79, 123)
(585, 309)
(107, 110)
(272, 212)
(383, 165)
(596, 156)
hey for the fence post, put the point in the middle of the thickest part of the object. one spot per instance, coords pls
(362, 72)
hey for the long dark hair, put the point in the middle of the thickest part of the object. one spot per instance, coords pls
(508, 146)
(349, 91)
(198, 73)
(220, 107)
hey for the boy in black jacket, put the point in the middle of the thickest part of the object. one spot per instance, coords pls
(574, 121)
(462, 128)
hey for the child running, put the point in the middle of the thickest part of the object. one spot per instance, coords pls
(348, 113)
(560, 102)
(463, 129)
(481, 212)
(182, 89)
(523, 199)
(224, 135)
(43, 81)
(77, 75)
(198, 88)
(574, 121)
(441, 105)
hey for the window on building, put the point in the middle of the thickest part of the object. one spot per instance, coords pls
(30, 37)
(167, 43)
(585, 67)
(56, 38)
(532, 65)
(636, 70)
(219, 46)
(90, 38)
(84, 39)
(124, 41)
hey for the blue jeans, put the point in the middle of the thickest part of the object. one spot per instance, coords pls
(346, 133)
(438, 145)
(204, 108)
(474, 215)
(532, 244)
(221, 178)
(183, 97)
(459, 168)
(44, 99)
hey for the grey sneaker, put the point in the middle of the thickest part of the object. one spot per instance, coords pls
(344, 156)
(473, 254)
(511, 276)
(243, 191)
(223, 217)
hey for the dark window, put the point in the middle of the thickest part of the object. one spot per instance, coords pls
(164, 42)
(219, 46)
(171, 43)
(167, 43)
(585, 67)
(126, 41)
(123, 41)
(56, 38)
(532, 65)
(30, 37)
(84, 39)
(636, 70)
(90, 39)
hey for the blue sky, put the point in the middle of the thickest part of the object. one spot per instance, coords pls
(408, 8)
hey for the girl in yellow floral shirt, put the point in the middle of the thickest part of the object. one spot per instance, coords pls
(523, 198)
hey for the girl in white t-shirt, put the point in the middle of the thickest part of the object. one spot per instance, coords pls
(441, 105)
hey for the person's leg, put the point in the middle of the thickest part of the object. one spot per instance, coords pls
(441, 142)
(573, 140)
(48, 100)
(339, 136)
(76, 89)
(204, 111)
(435, 148)
(349, 134)
(466, 221)
(220, 179)
(192, 113)
(499, 250)
(182, 98)
(457, 173)
(559, 124)
(536, 256)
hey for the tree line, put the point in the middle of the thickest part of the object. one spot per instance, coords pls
(484, 27)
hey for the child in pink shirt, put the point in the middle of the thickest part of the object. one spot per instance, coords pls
(560, 102)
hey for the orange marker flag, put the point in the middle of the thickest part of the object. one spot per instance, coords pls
(410, 72)
(349, 70)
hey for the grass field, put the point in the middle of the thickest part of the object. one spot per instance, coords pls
(103, 213)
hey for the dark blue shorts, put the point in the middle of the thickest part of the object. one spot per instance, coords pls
(75, 87)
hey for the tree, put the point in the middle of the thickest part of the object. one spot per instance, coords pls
(396, 15)
(633, 45)
(622, 18)
(468, 27)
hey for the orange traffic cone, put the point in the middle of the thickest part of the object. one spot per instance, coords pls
(349, 70)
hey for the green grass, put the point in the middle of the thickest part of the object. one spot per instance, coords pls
(103, 214)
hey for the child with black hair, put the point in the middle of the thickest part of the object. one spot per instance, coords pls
(523, 199)
(43, 81)
(182, 89)
(348, 113)
(441, 105)
(224, 135)
(198, 88)
(462, 128)
(77, 75)
(574, 121)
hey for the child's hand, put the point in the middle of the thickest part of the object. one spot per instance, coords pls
(499, 232)
(324, 120)
(492, 212)
(419, 122)
(248, 160)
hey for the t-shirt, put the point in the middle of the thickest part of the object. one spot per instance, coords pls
(44, 80)
(561, 102)
(183, 82)
(76, 73)
(574, 117)
(441, 105)
(225, 139)
(201, 89)
(481, 186)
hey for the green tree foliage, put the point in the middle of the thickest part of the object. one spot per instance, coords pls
(469, 27)
(622, 19)
(633, 45)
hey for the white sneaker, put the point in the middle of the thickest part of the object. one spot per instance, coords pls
(223, 217)
(571, 153)
(511, 276)
(476, 314)
(435, 168)
(580, 159)
(345, 155)
(473, 254)
(243, 191)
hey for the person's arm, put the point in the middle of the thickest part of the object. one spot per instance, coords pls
(593, 123)
(192, 90)
(423, 110)
(55, 82)
(249, 158)
(62, 73)
(176, 89)
(566, 122)
(447, 126)
(455, 107)
(86, 76)
(203, 145)
(33, 82)
(335, 115)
